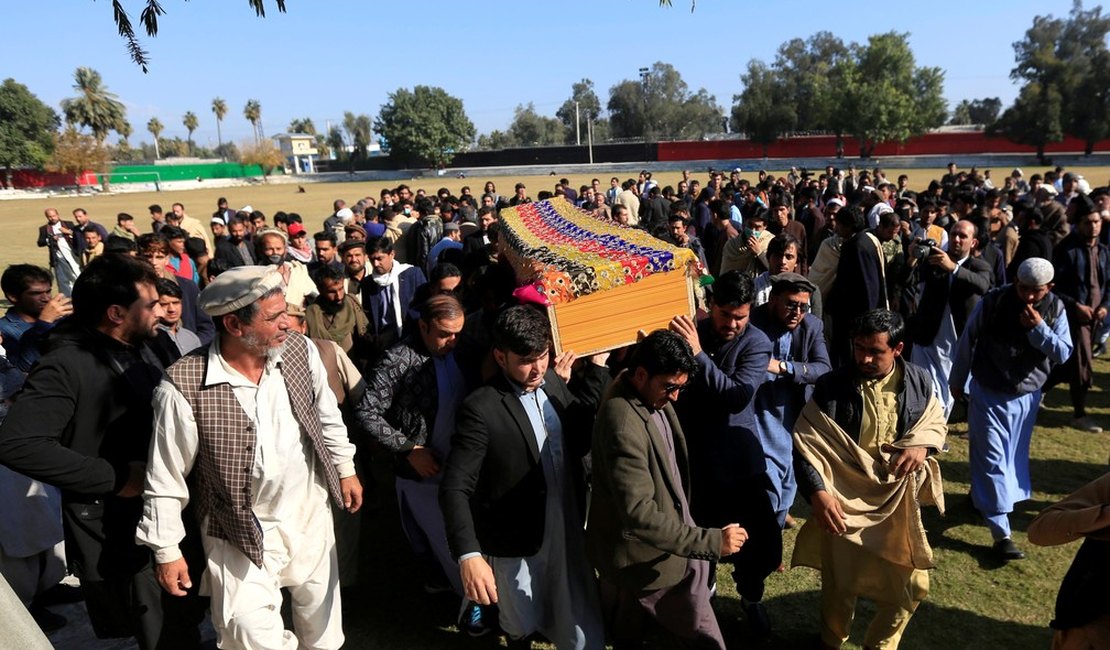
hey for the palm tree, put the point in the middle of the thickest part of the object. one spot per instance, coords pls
(190, 123)
(124, 130)
(253, 112)
(219, 107)
(155, 127)
(94, 107)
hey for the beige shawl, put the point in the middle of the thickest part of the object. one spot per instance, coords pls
(883, 512)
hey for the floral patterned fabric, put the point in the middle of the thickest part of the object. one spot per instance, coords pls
(567, 253)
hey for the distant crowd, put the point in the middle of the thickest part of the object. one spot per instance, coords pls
(177, 416)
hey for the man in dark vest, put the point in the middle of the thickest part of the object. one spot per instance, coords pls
(1015, 336)
(82, 423)
(252, 418)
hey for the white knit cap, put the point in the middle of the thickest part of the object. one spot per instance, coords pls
(1036, 272)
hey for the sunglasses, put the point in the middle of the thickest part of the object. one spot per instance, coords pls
(675, 388)
(803, 307)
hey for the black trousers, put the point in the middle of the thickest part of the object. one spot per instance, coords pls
(747, 501)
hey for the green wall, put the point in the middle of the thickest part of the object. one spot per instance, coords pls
(142, 173)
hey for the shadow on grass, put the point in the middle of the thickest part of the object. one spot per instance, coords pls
(796, 626)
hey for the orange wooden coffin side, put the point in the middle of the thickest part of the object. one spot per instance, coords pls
(610, 319)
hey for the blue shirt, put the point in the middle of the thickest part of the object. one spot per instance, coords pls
(21, 339)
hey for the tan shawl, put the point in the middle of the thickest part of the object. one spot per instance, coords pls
(883, 512)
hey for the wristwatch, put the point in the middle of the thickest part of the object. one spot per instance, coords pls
(785, 368)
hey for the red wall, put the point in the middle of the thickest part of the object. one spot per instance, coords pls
(931, 144)
(22, 178)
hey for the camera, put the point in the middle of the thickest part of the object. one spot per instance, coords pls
(923, 248)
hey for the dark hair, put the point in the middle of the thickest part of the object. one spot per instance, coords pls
(173, 232)
(17, 278)
(326, 235)
(441, 307)
(522, 330)
(327, 273)
(733, 289)
(123, 216)
(109, 280)
(484, 210)
(781, 242)
(721, 210)
(167, 287)
(195, 247)
(151, 241)
(154, 207)
(445, 270)
(117, 244)
(378, 245)
(880, 321)
(216, 266)
(663, 353)
(281, 217)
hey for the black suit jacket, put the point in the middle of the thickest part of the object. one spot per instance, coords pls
(47, 240)
(961, 293)
(493, 490)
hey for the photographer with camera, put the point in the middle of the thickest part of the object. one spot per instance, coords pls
(951, 285)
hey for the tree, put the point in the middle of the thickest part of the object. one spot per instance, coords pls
(424, 125)
(149, 20)
(497, 140)
(219, 109)
(262, 153)
(1061, 62)
(335, 142)
(811, 73)
(303, 125)
(190, 123)
(1035, 119)
(94, 108)
(763, 110)
(27, 128)
(588, 110)
(660, 106)
(253, 112)
(76, 153)
(155, 127)
(359, 129)
(529, 128)
(977, 111)
(886, 96)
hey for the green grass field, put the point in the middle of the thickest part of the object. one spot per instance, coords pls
(975, 602)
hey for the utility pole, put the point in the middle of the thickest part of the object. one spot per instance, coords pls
(577, 127)
(590, 138)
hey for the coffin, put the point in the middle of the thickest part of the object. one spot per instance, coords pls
(602, 282)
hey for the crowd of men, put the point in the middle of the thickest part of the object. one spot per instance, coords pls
(184, 408)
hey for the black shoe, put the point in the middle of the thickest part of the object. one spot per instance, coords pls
(47, 620)
(60, 594)
(1006, 549)
(758, 620)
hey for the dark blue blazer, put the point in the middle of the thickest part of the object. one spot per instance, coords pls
(807, 349)
(717, 413)
(192, 316)
(1072, 262)
(408, 282)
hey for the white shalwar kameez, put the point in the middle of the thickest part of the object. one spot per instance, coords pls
(290, 502)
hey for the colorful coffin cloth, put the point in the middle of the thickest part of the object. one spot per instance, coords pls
(567, 253)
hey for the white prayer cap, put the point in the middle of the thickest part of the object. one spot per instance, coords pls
(238, 287)
(345, 214)
(1035, 272)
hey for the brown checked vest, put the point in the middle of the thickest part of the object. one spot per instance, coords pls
(226, 441)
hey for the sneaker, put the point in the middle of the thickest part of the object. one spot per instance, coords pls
(476, 620)
(1007, 550)
(1086, 423)
(758, 620)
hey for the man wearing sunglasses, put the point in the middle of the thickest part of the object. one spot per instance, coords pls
(798, 359)
(653, 560)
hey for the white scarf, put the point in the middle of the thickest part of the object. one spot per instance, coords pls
(392, 279)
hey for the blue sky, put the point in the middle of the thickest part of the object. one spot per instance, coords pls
(323, 57)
